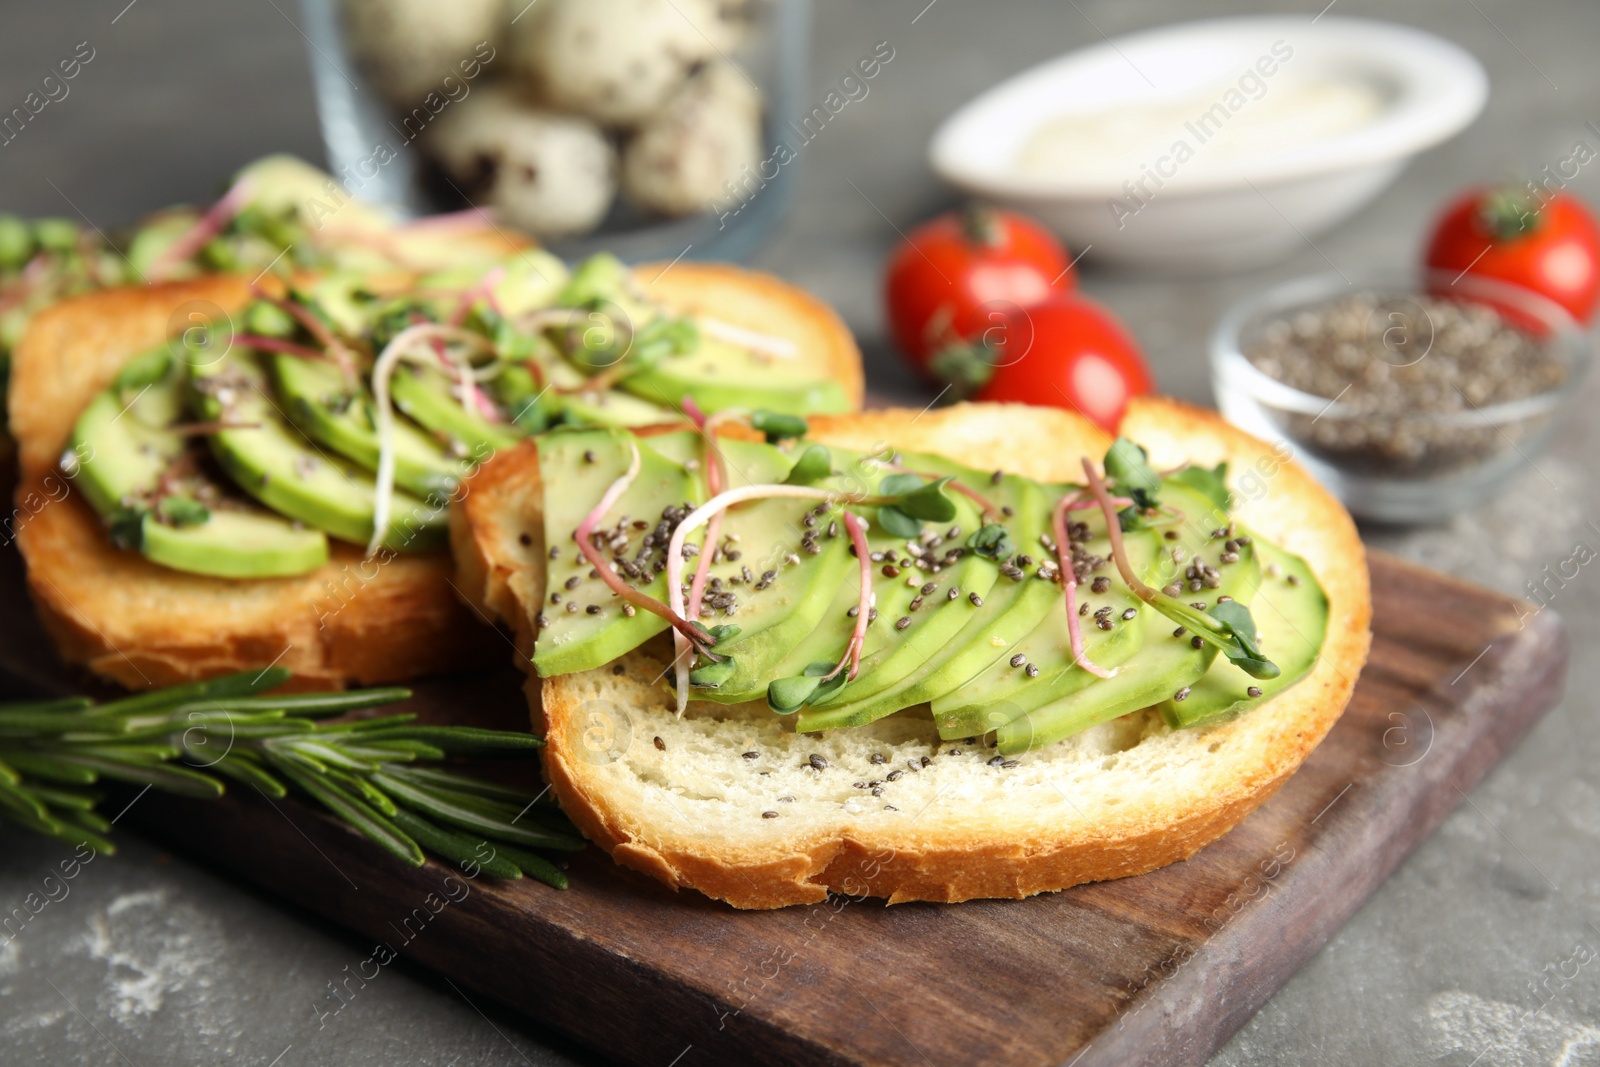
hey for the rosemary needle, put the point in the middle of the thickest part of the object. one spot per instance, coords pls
(191, 739)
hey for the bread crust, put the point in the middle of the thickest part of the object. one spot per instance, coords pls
(142, 625)
(960, 857)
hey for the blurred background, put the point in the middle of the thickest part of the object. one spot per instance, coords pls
(178, 965)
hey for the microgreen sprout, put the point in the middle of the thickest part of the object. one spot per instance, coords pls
(1229, 627)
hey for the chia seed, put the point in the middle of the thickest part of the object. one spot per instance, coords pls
(1405, 376)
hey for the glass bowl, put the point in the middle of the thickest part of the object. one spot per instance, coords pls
(372, 155)
(1386, 457)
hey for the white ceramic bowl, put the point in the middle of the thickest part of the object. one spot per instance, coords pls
(1250, 207)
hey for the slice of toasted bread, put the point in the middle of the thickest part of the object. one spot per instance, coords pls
(349, 621)
(687, 800)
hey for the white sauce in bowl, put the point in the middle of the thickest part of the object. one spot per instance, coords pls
(1220, 124)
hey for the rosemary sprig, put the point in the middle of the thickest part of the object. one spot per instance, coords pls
(192, 739)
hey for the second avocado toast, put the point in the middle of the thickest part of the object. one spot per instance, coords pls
(285, 473)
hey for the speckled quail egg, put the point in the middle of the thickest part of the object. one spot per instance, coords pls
(616, 61)
(408, 47)
(552, 174)
(705, 135)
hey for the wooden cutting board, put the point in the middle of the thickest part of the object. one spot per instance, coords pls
(1156, 969)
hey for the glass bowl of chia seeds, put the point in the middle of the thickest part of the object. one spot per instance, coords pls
(1411, 396)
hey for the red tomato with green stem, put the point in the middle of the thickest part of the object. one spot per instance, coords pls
(951, 276)
(1068, 352)
(1550, 245)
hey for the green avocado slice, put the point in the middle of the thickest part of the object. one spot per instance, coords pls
(583, 624)
(1291, 615)
(123, 445)
(775, 572)
(122, 442)
(1167, 663)
(798, 585)
(317, 401)
(424, 395)
(721, 375)
(1003, 692)
(934, 622)
(1009, 613)
(1164, 665)
(267, 458)
(234, 544)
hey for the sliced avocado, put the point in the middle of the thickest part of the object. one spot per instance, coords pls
(1163, 665)
(270, 460)
(1167, 662)
(606, 283)
(287, 185)
(825, 643)
(1003, 690)
(342, 298)
(893, 653)
(122, 442)
(530, 279)
(155, 236)
(1010, 609)
(603, 408)
(1291, 615)
(797, 570)
(123, 446)
(1003, 693)
(583, 624)
(718, 375)
(318, 402)
(425, 395)
(234, 544)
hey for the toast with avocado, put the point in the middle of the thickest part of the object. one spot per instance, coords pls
(985, 651)
(219, 474)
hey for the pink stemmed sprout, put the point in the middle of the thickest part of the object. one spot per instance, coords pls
(278, 344)
(207, 226)
(1108, 508)
(858, 636)
(716, 476)
(404, 346)
(336, 349)
(720, 503)
(483, 289)
(1069, 582)
(614, 581)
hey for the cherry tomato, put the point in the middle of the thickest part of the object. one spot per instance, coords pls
(952, 275)
(1069, 352)
(1550, 245)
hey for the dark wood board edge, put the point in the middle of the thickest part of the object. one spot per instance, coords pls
(575, 985)
(1196, 1010)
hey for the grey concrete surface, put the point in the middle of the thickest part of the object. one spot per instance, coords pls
(1480, 950)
